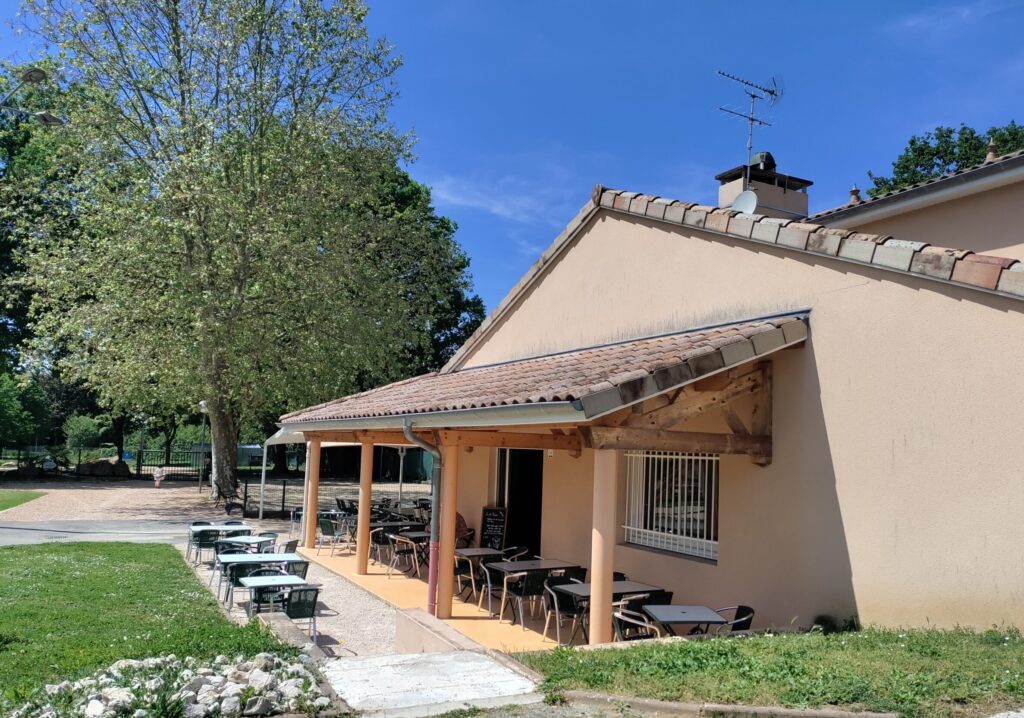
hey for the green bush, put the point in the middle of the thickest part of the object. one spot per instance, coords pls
(86, 431)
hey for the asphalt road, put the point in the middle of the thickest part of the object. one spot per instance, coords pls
(30, 532)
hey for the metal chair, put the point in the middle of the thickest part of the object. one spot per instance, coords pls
(487, 579)
(270, 596)
(188, 550)
(329, 533)
(301, 605)
(401, 547)
(561, 605)
(222, 548)
(514, 553)
(464, 569)
(633, 625)
(202, 540)
(297, 568)
(288, 546)
(520, 587)
(742, 618)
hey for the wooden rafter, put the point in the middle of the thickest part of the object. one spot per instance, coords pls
(615, 437)
(693, 403)
(459, 437)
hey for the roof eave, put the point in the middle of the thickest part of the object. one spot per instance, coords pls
(992, 176)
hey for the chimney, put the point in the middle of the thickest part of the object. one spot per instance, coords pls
(855, 195)
(992, 147)
(778, 195)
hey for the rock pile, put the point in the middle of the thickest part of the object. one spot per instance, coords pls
(263, 685)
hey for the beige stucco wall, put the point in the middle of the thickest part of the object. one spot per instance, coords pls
(986, 222)
(896, 487)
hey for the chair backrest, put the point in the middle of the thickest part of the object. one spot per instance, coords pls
(201, 523)
(238, 571)
(341, 504)
(301, 603)
(579, 573)
(267, 534)
(298, 568)
(326, 526)
(623, 620)
(290, 546)
(233, 523)
(206, 539)
(742, 618)
(660, 597)
(562, 602)
(513, 553)
(225, 547)
(268, 572)
(238, 532)
(533, 583)
(619, 576)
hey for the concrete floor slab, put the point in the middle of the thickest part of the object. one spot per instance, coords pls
(425, 684)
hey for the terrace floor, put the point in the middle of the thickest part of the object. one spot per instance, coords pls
(403, 592)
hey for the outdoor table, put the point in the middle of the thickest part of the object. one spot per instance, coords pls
(476, 553)
(532, 566)
(252, 582)
(248, 540)
(229, 559)
(219, 527)
(668, 616)
(416, 535)
(412, 525)
(619, 589)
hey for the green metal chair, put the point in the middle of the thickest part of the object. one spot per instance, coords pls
(298, 568)
(203, 540)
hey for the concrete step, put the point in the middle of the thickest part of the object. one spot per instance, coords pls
(425, 684)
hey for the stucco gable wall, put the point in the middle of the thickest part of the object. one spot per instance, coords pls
(904, 406)
(988, 222)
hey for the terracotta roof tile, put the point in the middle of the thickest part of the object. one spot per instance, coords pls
(566, 376)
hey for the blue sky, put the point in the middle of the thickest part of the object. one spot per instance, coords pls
(519, 108)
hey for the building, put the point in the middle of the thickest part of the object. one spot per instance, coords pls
(741, 409)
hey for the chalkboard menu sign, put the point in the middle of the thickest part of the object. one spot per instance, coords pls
(492, 527)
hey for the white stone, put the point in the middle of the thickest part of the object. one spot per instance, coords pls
(140, 713)
(205, 672)
(126, 664)
(220, 659)
(95, 709)
(291, 688)
(195, 710)
(217, 681)
(231, 689)
(117, 699)
(237, 675)
(230, 706)
(154, 684)
(207, 695)
(322, 702)
(261, 680)
(264, 661)
(195, 684)
(187, 697)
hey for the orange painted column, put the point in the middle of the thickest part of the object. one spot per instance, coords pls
(312, 492)
(446, 551)
(602, 544)
(363, 520)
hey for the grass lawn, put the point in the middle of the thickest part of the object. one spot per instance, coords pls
(9, 498)
(68, 609)
(914, 673)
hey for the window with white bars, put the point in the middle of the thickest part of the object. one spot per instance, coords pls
(672, 502)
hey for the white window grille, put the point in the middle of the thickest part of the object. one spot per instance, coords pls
(672, 502)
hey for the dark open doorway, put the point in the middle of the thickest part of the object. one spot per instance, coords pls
(521, 491)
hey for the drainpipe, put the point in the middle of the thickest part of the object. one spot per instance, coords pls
(435, 489)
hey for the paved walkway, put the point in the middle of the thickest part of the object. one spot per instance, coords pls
(424, 684)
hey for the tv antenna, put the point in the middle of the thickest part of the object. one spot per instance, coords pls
(770, 93)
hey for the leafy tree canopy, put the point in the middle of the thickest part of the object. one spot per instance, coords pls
(241, 231)
(944, 150)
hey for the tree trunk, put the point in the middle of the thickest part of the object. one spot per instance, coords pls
(281, 459)
(224, 433)
(117, 435)
(170, 431)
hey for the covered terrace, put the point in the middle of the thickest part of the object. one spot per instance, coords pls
(592, 404)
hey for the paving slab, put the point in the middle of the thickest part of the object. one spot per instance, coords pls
(31, 532)
(424, 684)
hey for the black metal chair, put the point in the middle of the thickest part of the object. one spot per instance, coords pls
(272, 597)
(297, 568)
(234, 573)
(490, 585)
(202, 540)
(514, 553)
(330, 533)
(403, 548)
(288, 546)
(222, 548)
(742, 619)
(559, 605)
(301, 605)
(633, 625)
(519, 587)
(619, 576)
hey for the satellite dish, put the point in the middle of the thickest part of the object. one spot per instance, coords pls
(745, 202)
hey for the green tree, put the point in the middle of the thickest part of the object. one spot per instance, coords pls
(942, 151)
(86, 431)
(223, 146)
(15, 421)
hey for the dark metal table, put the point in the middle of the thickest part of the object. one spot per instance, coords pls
(619, 589)
(532, 566)
(473, 553)
(669, 616)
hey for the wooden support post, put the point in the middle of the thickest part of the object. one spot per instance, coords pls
(446, 551)
(313, 491)
(602, 545)
(363, 518)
